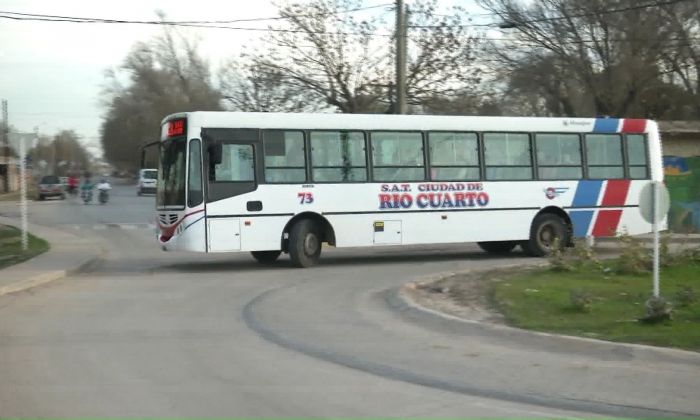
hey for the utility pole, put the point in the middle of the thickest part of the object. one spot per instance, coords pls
(6, 146)
(400, 58)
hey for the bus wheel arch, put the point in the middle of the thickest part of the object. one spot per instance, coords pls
(305, 222)
(548, 223)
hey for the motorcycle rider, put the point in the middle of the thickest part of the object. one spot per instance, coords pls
(103, 187)
(86, 188)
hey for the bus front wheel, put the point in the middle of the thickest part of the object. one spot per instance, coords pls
(497, 247)
(304, 243)
(265, 257)
(547, 231)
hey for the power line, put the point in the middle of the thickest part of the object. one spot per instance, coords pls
(74, 19)
(604, 12)
(547, 19)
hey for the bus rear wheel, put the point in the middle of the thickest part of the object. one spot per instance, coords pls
(304, 243)
(497, 247)
(265, 257)
(547, 231)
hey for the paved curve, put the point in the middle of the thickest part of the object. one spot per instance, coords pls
(147, 333)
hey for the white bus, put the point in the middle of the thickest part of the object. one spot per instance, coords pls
(269, 183)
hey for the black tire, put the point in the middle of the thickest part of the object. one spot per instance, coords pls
(547, 229)
(265, 257)
(139, 192)
(63, 196)
(304, 244)
(41, 197)
(497, 247)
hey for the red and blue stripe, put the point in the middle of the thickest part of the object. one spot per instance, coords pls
(598, 215)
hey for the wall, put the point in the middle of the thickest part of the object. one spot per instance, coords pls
(682, 177)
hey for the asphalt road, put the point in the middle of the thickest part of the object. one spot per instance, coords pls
(148, 333)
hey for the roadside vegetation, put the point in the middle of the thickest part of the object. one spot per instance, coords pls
(579, 294)
(11, 246)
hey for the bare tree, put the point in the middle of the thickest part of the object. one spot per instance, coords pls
(598, 57)
(322, 56)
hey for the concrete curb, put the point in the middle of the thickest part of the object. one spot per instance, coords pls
(75, 266)
(398, 299)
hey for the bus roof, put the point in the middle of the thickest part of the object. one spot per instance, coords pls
(328, 121)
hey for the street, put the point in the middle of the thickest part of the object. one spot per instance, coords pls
(147, 333)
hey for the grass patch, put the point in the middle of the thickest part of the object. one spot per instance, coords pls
(11, 246)
(604, 303)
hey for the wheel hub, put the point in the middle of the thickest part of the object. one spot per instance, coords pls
(310, 244)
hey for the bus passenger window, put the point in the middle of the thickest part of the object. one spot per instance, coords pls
(637, 156)
(604, 154)
(237, 164)
(285, 160)
(507, 156)
(338, 156)
(397, 156)
(454, 156)
(558, 156)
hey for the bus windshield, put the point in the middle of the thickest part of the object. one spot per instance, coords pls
(171, 183)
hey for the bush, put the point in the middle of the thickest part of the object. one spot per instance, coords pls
(581, 300)
(560, 258)
(658, 309)
(634, 258)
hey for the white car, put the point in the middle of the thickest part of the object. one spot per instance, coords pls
(147, 181)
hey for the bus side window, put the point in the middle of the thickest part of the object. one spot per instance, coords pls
(508, 156)
(397, 156)
(604, 155)
(338, 156)
(285, 156)
(237, 164)
(637, 156)
(558, 156)
(453, 156)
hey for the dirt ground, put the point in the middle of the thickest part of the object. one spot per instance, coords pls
(464, 295)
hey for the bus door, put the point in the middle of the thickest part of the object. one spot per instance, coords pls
(230, 171)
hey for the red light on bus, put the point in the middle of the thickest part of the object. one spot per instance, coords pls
(176, 128)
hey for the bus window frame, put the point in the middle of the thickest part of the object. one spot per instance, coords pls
(311, 167)
(479, 153)
(622, 153)
(533, 161)
(306, 154)
(647, 161)
(582, 154)
(424, 153)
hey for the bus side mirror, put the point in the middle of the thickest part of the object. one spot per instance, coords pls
(215, 153)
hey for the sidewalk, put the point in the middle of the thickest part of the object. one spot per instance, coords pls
(68, 254)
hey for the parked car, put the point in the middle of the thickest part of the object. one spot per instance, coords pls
(51, 186)
(147, 181)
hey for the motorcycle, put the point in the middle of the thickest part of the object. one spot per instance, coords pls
(103, 187)
(87, 196)
(103, 197)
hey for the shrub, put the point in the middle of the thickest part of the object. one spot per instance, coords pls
(634, 258)
(658, 309)
(581, 300)
(560, 258)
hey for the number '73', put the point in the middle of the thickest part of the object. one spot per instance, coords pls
(305, 197)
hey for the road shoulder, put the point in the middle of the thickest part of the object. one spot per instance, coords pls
(68, 254)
